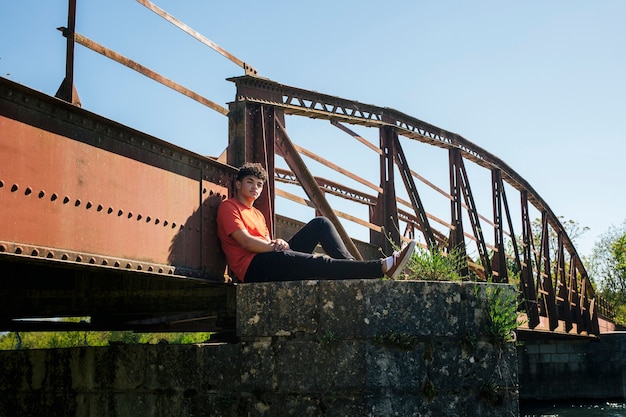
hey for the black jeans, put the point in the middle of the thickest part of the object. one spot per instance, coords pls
(299, 263)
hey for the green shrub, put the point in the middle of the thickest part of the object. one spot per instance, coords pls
(435, 265)
(501, 307)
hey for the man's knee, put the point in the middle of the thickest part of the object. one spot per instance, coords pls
(321, 222)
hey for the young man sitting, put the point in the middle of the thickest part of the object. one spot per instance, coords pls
(254, 257)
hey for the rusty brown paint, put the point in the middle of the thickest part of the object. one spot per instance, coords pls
(106, 190)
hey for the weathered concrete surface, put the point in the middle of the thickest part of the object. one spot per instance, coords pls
(574, 369)
(313, 348)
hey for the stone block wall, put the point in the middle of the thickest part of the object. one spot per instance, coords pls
(580, 369)
(313, 348)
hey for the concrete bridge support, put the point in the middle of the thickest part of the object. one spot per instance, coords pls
(573, 369)
(313, 348)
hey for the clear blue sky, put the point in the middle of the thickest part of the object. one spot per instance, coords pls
(540, 84)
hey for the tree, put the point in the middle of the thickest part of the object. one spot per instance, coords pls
(607, 268)
(573, 229)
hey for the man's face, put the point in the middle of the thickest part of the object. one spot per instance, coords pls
(250, 187)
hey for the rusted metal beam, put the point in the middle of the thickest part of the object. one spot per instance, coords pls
(196, 35)
(293, 159)
(356, 136)
(96, 47)
(472, 213)
(67, 89)
(251, 133)
(573, 297)
(563, 290)
(336, 168)
(328, 186)
(498, 263)
(456, 241)
(113, 299)
(385, 212)
(544, 276)
(526, 275)
(416, 201)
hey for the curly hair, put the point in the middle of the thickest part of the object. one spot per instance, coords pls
(251, 168)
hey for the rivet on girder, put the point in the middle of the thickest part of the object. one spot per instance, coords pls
(53, 197)
(64, 257)
(66, 200)
(42, 194)
(18, 250)
(3, 248)
(28, 191)
(14, 188)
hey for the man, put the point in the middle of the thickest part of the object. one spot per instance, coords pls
(254, 257)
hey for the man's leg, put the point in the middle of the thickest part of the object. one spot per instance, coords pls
(320, 230)
(295, 266)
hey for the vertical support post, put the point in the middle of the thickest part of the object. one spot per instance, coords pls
(498, 262)
(526, 276)
(585, 319)
(563, 289)
(251, 133)
(386, 212)
(544, 275)
(573, 298)
(474, 218)
(67, 90)
(456, 241)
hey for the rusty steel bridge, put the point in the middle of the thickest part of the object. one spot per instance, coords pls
(84, 234)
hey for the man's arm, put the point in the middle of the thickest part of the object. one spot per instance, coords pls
(257, 244)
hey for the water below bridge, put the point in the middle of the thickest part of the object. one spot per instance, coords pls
(571, 409)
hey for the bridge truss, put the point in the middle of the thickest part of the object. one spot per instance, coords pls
(119, 226)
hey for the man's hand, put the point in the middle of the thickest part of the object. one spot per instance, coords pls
(280, 245)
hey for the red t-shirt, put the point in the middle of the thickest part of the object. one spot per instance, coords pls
(233, 216)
